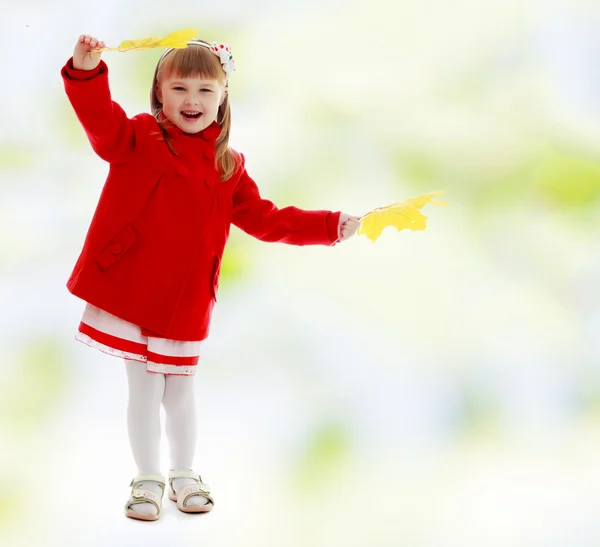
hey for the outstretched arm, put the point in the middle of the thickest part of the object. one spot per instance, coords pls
(110, 132)
(262, 219)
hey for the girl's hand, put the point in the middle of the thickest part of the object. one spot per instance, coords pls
(347, 226)
(83, 58)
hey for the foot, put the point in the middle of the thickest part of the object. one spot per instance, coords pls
(178, 484)
(147, 508)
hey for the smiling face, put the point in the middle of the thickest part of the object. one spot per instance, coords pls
(190, 103)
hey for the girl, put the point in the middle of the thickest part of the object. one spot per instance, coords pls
(150, 263)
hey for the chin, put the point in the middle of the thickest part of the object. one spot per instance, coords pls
(187, 127)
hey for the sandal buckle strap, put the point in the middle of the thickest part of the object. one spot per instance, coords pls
(192, 488)
(149, 495)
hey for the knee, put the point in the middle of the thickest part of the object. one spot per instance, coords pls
(144, 403)
(178, 400)
(145, 399)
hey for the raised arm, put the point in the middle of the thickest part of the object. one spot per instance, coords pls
(110, 132)
(262, 219)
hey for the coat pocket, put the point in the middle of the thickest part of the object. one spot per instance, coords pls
(215, 277)
(118, 246)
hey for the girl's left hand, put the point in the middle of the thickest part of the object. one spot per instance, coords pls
(347, 226)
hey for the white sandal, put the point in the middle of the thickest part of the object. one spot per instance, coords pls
(141, 495)
(198, 489)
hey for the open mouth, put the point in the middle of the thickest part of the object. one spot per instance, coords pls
(191, 114)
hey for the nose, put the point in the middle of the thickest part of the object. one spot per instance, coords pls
(191, 101)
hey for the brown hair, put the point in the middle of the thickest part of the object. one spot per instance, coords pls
(196, 60)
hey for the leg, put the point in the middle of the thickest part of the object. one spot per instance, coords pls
(180, 410)
(143, 423)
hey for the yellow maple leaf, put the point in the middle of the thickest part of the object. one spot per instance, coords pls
(178, 39)
(401, 215)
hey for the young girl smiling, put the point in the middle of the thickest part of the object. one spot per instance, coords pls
(150, 264)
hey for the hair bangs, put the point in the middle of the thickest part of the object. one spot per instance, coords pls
(192, 61)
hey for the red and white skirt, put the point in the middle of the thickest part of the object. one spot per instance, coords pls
(111, 335)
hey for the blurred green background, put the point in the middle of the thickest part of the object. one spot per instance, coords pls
(433, 389)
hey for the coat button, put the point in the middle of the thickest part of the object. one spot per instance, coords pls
(209, 154)
(116, 248)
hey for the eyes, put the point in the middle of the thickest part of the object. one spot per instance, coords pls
(202, 90)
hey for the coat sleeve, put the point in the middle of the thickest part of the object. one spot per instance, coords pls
(110, 132)
(262, 219)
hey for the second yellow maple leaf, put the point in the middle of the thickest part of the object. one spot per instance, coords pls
(402, 215)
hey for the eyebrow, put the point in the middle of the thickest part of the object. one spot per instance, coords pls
(203, 84)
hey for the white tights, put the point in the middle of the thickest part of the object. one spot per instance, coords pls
(147, 391)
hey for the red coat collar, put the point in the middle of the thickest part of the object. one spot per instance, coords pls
(211, 133)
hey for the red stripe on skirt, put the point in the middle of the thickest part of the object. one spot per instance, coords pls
(113, 341)
(171, 360)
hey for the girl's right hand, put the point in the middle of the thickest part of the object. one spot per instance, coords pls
(83, 58)
(347, 226)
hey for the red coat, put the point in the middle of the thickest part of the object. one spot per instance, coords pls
(152, 254)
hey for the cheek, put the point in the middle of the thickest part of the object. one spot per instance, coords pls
(163, 95)
(169, 102)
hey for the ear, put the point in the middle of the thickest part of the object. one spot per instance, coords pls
(158, 92)
(224, 93)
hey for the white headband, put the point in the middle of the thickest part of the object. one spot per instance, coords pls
(222, 51)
